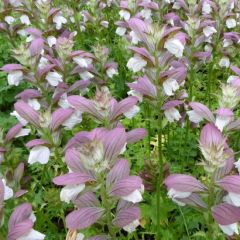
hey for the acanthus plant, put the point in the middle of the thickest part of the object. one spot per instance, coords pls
(218, 194)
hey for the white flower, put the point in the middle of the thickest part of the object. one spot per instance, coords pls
(51, 41)
(32, 235)
(135, 38)
(209, 31)
(229, 229)
(30, 38)
(224, 62)
(125, 14)
(70, 192)
(8, 192)
(111, 72)
(9, 20)
(233, 199)
(222, 121)
(39, 154)
(63, 102)
(25, 19)
(194, 117)
(121, 31)
(131, 227)
(86, 75)
(173, 194)
(206, 8)
(104, 24)
(15, 3)
(75, 118)
(15, 77)
(176, 5)
(172, 114)
(208, 48)
(232, 78)
(43, 62)
(19, 118)
(59, 20)
(231, 23)
(227, 42)
(136, 63)
(175, 47)
(80, 236)
(170, 86)
(146, 13)
(132, 112)
(135, 94)
(54, 78)
(23, 132)
(34, 104)
(22, 33)
(135, 196)
(82, 62)
(237, 165)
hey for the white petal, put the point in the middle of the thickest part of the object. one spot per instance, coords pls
(80, 236)
(43, 62)
(32, 235)
(39, 154)
(86, 75)
(172, 114)
(206, 8)
(15, 77)
(9, 20)
(23, 132)
(34, 104)
(59, 20)
(133, 197)
(19, 118)
(237, 165)
(132, 112)
(170, 86)
(222, 122)
(146, 13)
(70, 192)
(132, 226)
(25, 19)
(194, 117)
(111, 72)
(208, 31)
(121, 31)
(231, 23)
(135, 38)
(235, 198)
(224, 62)
(33, 217)
(125, 14)
(175, 47)
(136, 63)
(54, 78)
(63, 102)
(51, 41)
(135, 94)
(8, 192)
(73, 120)
(229, 229)
(82, 62)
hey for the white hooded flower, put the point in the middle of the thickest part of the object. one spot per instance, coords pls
(39, 154)
(59, 20)
(19, 118)
(121, 31)
(54, 78)
(173, 194)
(222, 121)
(224, 62)
(86, 75)
(43, 62)
(237, 166)
(146, 13)
(132, 112)
(206, 8)
(229, 229)
(25, 19)
(194, 117)
(34, 103)
(15, 3)
(135, 196)
(231, 23)
(233, 199)
(82, 61)
(175, 47)
(111, 72)
(23, 132)
(136, 63)
(75, 118)
(227, 43)
(70, 192)
(51, 40)
(8, 192)
(131, 227)
(32, 235)
(135, 94)
(9, 20)
(124, 14)
(80, 236)
(15, 77)
(172, 114)
(135, 38)
(170, 86)
(209, 31)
